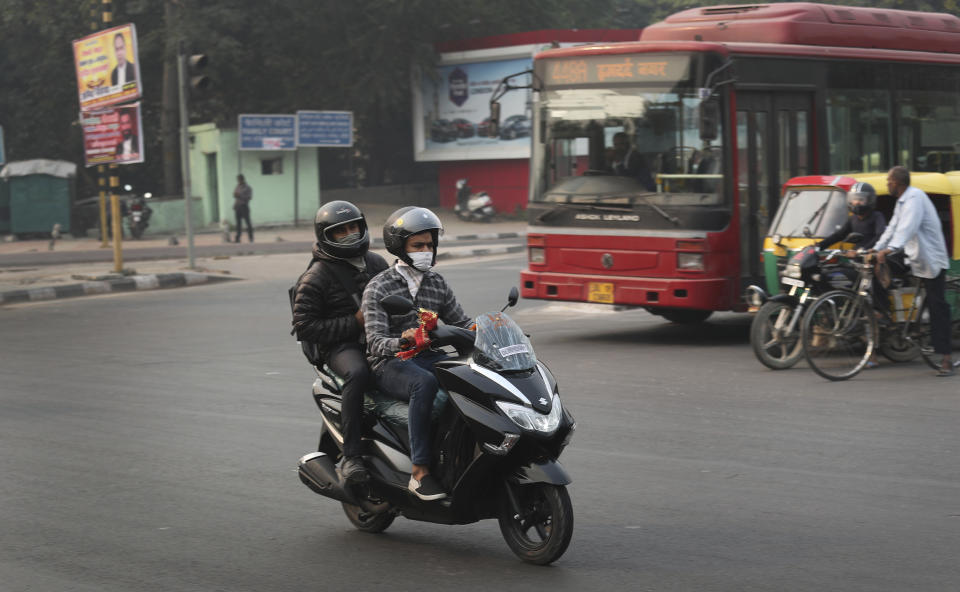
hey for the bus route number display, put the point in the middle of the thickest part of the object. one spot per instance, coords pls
(617, 69)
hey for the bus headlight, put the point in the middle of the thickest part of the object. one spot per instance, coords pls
(690, 261)
(532, 420)
(537, 255)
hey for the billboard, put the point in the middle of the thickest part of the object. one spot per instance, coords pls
(107, 66)
(451, 106)
(112, 135)
(267, 132)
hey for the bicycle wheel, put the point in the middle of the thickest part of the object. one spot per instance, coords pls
(839, 333)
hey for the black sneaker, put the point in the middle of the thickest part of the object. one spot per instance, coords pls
(427, 489)
(353, 470)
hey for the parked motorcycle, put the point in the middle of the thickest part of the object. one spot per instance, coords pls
(138, 216)
(775, 331)
(499, 428)
(473, 207)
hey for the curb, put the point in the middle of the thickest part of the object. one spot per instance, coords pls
(127, 284)
(159, 281)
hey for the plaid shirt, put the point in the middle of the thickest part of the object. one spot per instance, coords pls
(383, 330)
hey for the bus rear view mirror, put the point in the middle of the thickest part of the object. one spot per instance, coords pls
(493, 129)
(709, 120)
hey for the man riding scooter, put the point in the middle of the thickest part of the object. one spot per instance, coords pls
(411, 234)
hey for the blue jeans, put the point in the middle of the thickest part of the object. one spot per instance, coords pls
(413, 381)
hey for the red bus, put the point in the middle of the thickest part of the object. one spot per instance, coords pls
(657, 164)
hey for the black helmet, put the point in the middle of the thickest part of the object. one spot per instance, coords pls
(861, 199)
(405, 223)
(337, 213)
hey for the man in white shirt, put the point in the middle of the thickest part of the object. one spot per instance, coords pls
(915, 227)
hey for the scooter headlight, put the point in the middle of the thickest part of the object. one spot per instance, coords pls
(532, 420)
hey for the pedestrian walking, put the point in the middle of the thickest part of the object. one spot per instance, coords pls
(241, 206)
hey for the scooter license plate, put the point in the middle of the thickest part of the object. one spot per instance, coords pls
(600, 292)
(792, 282)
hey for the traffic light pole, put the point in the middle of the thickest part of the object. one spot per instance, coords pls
(184, 150)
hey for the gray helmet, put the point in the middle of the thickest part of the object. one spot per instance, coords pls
(861, 199)
(405, 223)
(337, 213)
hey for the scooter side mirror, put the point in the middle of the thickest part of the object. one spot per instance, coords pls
(512, 298)
(396, 305)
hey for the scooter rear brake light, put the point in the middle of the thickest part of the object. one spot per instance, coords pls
(508, 441)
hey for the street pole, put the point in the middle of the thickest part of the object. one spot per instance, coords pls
(184, 149)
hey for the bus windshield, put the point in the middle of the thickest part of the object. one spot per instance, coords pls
(627, 145)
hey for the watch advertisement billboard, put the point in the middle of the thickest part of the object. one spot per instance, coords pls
(451, 106)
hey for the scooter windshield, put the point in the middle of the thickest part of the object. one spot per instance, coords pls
(501, 345)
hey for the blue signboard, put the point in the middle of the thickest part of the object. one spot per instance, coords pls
(3, 155)
(325, 128)
(267, 132)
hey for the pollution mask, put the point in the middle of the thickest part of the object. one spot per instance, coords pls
(422, 260)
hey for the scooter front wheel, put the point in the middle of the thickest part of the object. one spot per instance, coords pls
(536, 521)
(367, 521)
(775, 349)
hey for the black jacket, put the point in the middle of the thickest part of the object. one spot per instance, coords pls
(870, 227)
(323, 311)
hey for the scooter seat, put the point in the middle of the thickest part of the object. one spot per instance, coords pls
(395, 412)
(383, 406)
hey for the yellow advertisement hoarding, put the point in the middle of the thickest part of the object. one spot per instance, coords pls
(108, 69)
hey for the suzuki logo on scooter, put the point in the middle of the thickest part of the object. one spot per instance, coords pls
(542, 401)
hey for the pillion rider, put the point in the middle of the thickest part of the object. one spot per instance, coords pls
(326, 313)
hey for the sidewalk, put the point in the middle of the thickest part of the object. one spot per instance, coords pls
(30, 271)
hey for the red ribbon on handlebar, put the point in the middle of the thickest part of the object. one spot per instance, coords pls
(428, 322)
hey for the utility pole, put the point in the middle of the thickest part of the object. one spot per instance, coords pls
(114, 179)
(185, 147)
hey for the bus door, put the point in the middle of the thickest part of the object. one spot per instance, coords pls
(774, 131)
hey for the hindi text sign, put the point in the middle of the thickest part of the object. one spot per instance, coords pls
(267, 132)
(325, 128)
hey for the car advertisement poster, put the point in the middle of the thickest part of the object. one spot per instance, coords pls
(112, 135)
(451, 107)
(107, 66)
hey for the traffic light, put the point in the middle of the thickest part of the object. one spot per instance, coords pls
(196, 64)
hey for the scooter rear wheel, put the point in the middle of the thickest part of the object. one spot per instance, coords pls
(367, 521)
(540, 532)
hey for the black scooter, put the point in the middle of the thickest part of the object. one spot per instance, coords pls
(498, 430)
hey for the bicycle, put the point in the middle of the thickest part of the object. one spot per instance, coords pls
(840, 330)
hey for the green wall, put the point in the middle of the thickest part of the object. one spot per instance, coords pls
(215, 162)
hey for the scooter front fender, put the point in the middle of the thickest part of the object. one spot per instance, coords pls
(549, 471)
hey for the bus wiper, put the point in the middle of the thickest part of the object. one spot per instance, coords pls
(633, 198)
(666, 216)
(583, 206)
